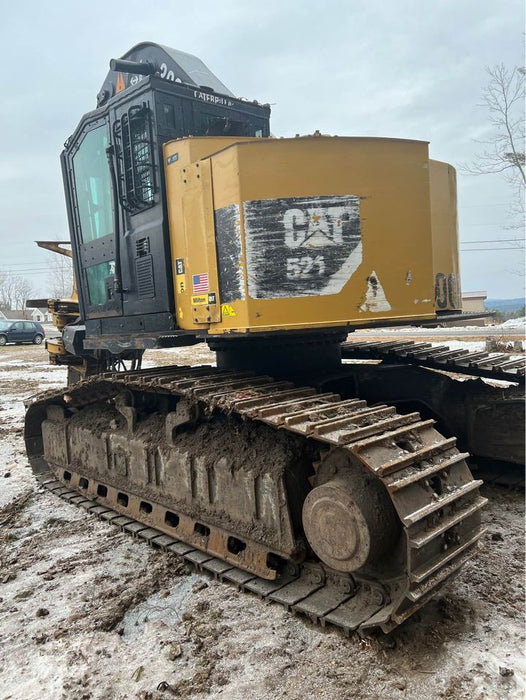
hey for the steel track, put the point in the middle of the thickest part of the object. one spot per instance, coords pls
(426, 477)
(479, 364)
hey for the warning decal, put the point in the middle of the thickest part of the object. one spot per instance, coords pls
(121, 85)
(375, 300)
(227, 310)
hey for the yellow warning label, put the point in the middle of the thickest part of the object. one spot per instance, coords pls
(200, 300)
(180, 283)
(227, 310)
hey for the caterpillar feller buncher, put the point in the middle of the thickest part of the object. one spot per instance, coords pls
(190, 223)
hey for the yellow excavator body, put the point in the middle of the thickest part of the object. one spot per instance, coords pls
(189, 223)
(444, 223)
(303, 233)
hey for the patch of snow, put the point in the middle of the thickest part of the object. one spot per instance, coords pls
(472, 346)
(514, 323)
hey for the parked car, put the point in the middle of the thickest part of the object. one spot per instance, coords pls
(21, 332)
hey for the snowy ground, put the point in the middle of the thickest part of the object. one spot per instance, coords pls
(514, 323)
(87, 612)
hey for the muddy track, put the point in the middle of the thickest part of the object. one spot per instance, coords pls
(426, 478)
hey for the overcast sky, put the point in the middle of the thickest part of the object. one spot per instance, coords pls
(408, 68)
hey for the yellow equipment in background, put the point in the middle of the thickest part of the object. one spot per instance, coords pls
(63, 311)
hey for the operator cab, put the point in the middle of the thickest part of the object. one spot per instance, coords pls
(113, 174)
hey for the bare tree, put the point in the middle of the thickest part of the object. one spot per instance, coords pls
(3, 306)
(22, 290)
(6, 291)
(14, 290)
(60, 278)
(503, 97)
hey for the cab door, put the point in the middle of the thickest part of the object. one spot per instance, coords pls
(94, 214)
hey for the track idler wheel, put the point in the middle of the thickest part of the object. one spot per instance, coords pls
(348, 517)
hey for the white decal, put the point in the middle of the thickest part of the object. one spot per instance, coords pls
(303, 268)
(215, 99)
(375, 299)
(313, 228)
(301, 246)
(168, 74)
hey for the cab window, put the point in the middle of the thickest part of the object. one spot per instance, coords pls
(93, 186)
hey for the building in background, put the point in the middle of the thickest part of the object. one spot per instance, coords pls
(472, 303)
(40, 315)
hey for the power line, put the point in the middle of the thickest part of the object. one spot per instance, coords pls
(26, 266)
(495, 224)
(20, 272)
(500, 240)
(491, 204)
(476, 250)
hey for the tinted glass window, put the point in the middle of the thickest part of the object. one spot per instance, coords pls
(169, 115)
(92, 178)
(214, 125)
(96, 277)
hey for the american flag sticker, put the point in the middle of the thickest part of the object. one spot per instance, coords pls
(200, 283)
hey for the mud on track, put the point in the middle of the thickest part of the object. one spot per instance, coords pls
(87, 612)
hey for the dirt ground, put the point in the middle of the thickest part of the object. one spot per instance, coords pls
(88, 612)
